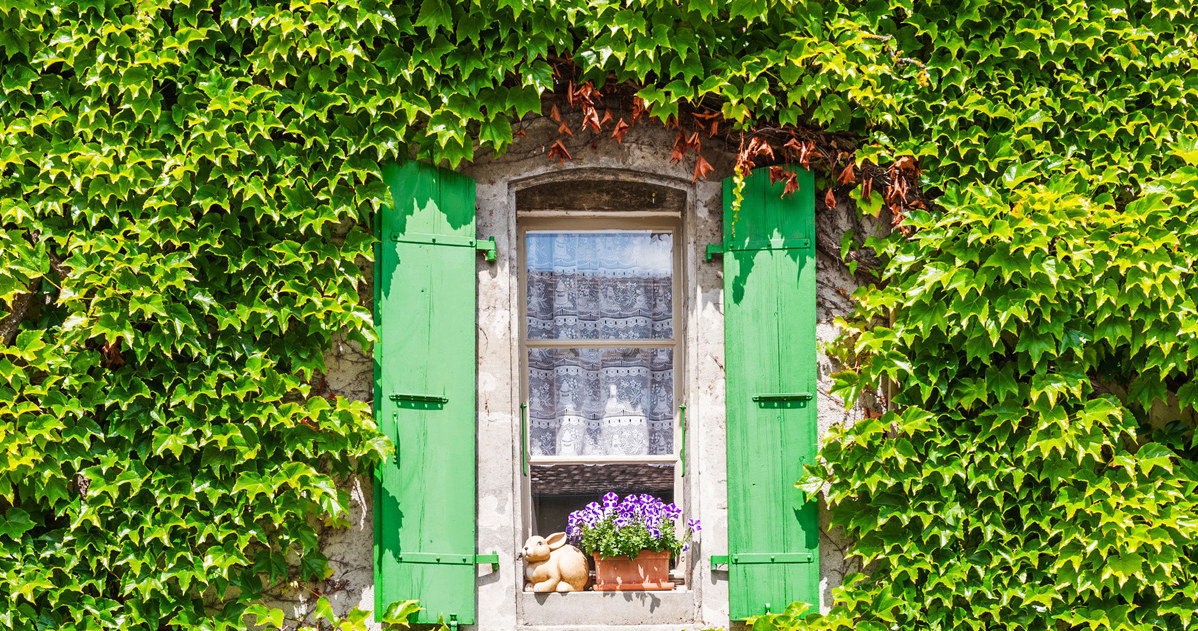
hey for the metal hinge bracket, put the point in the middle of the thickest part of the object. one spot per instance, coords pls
(492, 558)
(486, 246)
(436, 558)
(762, 557)
(419, 398)
(719, 249)
(783, 396)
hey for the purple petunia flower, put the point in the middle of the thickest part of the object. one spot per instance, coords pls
(643, 517)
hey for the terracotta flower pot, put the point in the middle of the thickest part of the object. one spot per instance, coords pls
(649, 570)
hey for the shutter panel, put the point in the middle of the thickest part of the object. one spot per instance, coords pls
(769, 334)
(425, 394)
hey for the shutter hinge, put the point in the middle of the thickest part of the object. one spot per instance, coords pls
(492, 558)
(783, 396)
(486, 246)
(755, 558)
(719, 249)
(419, 398)
(435, 558)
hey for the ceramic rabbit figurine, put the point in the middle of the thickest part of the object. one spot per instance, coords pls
(554, 565)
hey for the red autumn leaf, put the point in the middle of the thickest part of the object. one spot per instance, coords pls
(565, 129)
(606, 118)
(867, 189)
(590, 118)
(792, 184)
(744, 162)
(692, 140)
(554, 114)
(586, 91)
(679, 151)
(715, 128)
(807, 152)
(620, 130)
(558, 150)
(702, 168)
(830, 199)
(520, 133)
(638, 108)
(906, 164)
(570, 93)
(777, 174)
(763, 148)
(793, 144)
(705, 117)
(847, 176)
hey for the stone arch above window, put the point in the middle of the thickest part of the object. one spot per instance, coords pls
(594, 193)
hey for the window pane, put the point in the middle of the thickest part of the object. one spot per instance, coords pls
(609, 284)
(601, 401)
(560, 489)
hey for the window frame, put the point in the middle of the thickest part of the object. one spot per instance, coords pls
(573, 220)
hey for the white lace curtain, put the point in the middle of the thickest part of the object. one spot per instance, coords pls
(600, 285)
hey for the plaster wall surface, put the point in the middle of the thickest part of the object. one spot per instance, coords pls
(502, 511)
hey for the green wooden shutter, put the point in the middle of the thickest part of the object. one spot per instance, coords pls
(425, 394)
(769, 335)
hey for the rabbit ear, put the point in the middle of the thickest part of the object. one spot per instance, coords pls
(556, 540)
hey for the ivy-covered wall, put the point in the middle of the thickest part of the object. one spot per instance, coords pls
(185, 199)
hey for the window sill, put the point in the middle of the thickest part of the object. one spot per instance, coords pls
(676, 606)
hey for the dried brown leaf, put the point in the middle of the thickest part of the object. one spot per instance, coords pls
(702, 168)
(847, 176)
(620, 130)
(558, 150)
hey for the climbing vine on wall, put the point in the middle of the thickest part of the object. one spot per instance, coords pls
(186, 191)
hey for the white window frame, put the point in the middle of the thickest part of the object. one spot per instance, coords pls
(568, 220)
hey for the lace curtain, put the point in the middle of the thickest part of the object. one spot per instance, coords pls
(600, 285)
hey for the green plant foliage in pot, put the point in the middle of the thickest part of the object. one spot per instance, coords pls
(629, 526)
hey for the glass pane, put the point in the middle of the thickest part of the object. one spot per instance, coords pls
(560, 489)
(601, 401)
(605, 284)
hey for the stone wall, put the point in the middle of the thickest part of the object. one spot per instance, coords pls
(642, 157)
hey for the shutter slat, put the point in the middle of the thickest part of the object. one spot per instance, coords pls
(425, 395)
(769, 319)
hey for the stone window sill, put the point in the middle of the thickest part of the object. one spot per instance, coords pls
(664, 607)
